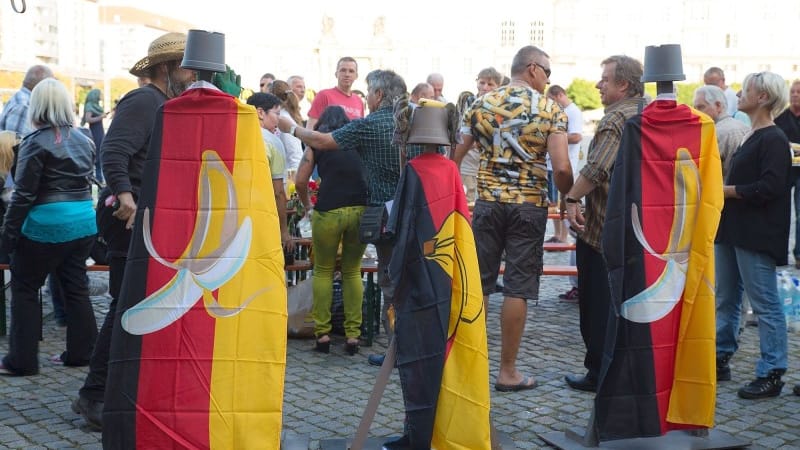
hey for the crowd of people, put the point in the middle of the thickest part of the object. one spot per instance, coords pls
(518, 156)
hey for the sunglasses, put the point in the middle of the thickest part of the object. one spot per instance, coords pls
(544, 69)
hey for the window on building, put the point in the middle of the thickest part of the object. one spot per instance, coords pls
(536, 36)
(507, 37)
(731, 40)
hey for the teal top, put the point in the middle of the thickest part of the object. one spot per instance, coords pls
(60, 221)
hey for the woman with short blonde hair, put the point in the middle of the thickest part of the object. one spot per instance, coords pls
(50, 227)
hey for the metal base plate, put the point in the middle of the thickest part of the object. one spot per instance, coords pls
(504, 442)
(674, 440)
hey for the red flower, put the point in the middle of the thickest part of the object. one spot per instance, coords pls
(313, 199)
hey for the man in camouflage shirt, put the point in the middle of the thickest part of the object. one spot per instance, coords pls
(515, 126)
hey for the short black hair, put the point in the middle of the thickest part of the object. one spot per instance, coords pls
(264, 101)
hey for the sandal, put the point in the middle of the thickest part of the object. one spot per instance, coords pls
(351, 347)
(323, 347)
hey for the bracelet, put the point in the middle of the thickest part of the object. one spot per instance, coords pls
(571, 200)
(292, 130)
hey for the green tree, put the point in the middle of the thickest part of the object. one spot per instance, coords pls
(584, 94)
(686, 92)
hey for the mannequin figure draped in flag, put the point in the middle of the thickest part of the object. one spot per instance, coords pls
(440, 327)
(198, 355)
(663, 210)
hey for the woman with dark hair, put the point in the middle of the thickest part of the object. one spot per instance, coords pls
(341, 200)
(50, 227)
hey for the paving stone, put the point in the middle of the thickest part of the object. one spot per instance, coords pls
(325, 395)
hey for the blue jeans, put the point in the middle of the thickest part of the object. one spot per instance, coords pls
(796, 250)
(753, 272)
(328, 229)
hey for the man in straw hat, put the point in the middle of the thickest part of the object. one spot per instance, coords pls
(123, 154)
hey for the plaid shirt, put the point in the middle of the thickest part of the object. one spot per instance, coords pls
(15, 113)
(600, 164)
(371, 137)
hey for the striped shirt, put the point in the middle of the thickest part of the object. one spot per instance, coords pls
(600, 163)
(372, 138)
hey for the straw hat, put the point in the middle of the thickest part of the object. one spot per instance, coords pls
(168, 47)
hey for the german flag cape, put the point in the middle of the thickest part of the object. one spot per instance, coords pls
(440, 326)
(664, 206)
(199, 343)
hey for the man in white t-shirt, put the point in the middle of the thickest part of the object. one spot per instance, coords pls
(574, 137)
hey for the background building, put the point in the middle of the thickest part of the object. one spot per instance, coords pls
(94, 40)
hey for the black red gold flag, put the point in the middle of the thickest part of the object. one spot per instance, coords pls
(199, 344)
(664, 206)
(440, 326)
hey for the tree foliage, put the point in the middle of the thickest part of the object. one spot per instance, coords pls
(584, 94)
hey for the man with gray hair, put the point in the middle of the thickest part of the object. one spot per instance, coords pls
(298, 85)
(730, 132)
(422, 90)
(437, 81)
(15, 112)
(371, 137)
(621, 91)
(714, 76)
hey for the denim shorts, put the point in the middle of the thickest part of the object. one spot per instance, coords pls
(517, 229)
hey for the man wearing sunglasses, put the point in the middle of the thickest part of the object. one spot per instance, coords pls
(266, 82)
(515, 127)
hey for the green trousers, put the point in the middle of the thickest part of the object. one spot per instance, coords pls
(328, 229)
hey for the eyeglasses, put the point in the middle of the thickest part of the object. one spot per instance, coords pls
(544, 69)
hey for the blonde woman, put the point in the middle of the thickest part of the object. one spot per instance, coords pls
(753, 236)
(290, 109)
(50, 227)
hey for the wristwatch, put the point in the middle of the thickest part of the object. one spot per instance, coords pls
(571, 200)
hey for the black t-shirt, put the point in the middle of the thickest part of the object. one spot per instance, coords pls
(342, 179)
(124, 148)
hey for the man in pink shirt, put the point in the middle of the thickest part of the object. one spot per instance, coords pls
(339, 95)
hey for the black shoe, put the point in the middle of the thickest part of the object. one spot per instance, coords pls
(351, 348)
(582, 383)
(323, 347)
(91, 411)
(763, 387)
(796, 389)
(376, 359)
(723, 368)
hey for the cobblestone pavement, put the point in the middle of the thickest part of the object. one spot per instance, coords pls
(325, 395)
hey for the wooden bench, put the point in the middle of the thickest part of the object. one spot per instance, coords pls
(559, 246)
(3, 268)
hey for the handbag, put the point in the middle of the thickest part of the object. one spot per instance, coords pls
(372, 229)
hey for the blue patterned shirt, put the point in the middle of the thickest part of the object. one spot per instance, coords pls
(15, 113)
(372, 138)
